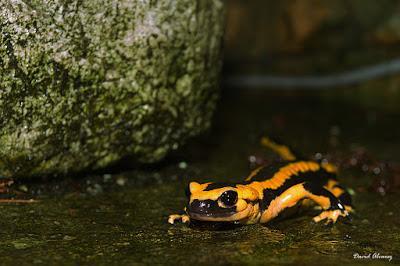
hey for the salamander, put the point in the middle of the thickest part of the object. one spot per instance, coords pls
(269, 190)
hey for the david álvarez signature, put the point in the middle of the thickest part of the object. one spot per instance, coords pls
(372, 256)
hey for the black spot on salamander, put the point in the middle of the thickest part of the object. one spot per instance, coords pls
(316, 189)
(316, 178)
(339, 186)
(321, 191)
(210, 208)
(269, 195)
(219, 185)
(345, 198)
(268, 171)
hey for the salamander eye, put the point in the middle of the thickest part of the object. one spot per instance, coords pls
(229, 198)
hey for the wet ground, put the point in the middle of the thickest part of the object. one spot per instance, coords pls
(120, 216)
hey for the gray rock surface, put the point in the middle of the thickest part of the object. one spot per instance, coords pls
(86, 83)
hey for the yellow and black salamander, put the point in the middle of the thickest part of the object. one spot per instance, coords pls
(269, 190)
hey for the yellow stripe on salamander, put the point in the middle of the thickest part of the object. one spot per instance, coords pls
(253, 173)
(287, 172)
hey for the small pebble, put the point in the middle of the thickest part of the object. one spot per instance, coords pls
(252, 159)
(94, 189)
(365, 221)
(107, 177)
(377, 170)
(23, 188)
(318, 156)
(182, 165)
(69, 238)
(121, 181)
(381, 191)
(335, 130)
(20, 245)
(351, 191)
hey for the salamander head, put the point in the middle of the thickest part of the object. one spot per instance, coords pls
(221, 202)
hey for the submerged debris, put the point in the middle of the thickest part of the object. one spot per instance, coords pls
(7, 194)
(385, 174)
(183, 165)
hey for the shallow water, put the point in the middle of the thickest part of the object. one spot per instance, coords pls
(120, 217)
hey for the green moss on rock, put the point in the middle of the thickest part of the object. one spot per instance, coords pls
(86, 83)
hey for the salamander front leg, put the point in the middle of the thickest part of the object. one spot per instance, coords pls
(184, 218)
(321, 196)
(330, 215)
(178, 217)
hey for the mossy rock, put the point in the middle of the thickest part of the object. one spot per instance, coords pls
(86, 83)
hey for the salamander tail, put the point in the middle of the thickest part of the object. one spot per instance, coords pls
(284, 151)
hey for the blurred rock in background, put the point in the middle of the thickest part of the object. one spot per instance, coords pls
(315, 37)
(330, 32)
